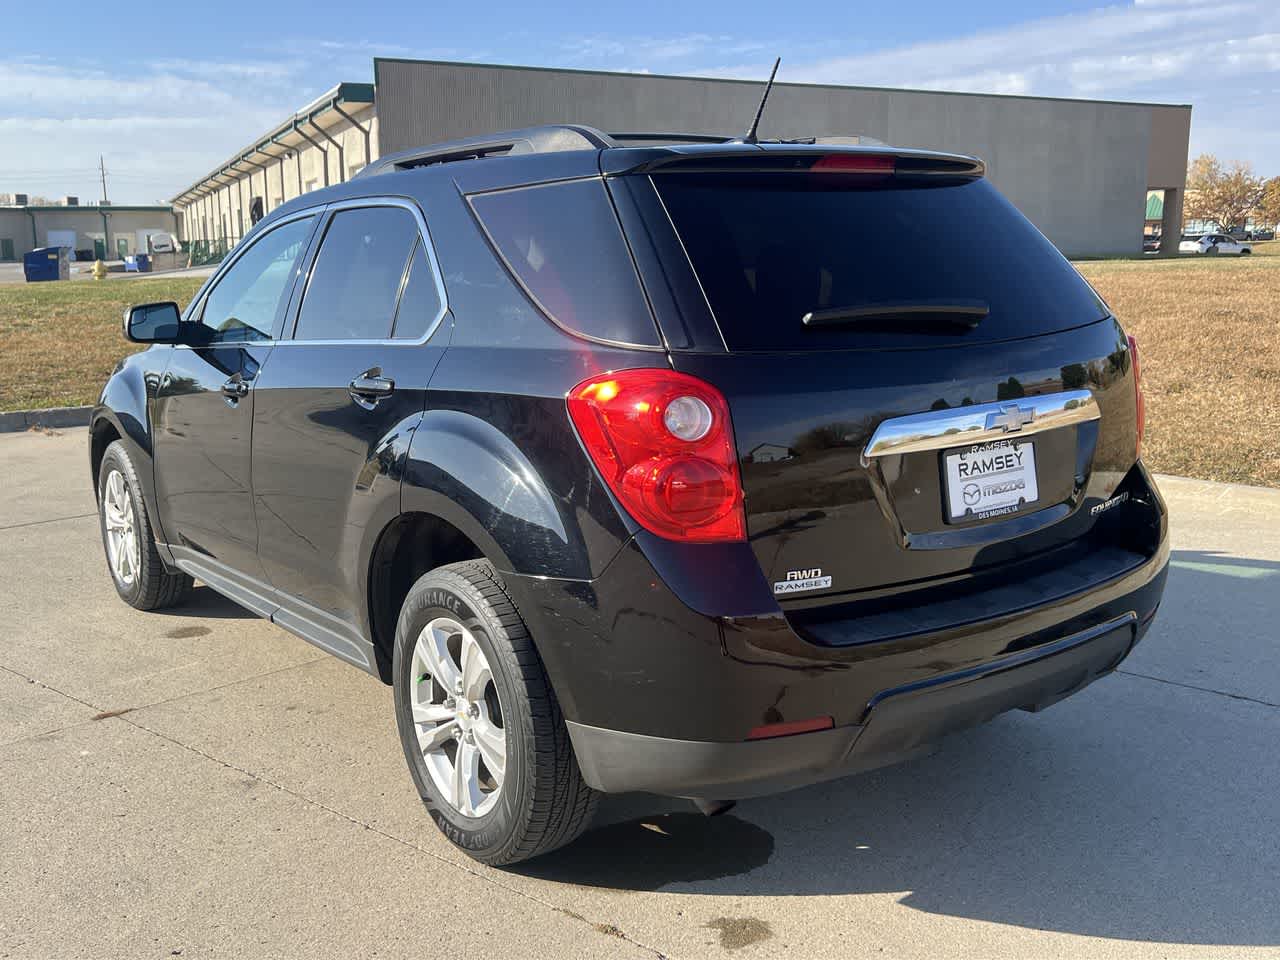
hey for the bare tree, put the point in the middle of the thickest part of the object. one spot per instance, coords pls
(1224, 194)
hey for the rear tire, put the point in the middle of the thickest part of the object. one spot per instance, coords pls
(1245, 253)
(139, 575)
(459, 622)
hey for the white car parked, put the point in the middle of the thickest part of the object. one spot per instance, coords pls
(1218, 243)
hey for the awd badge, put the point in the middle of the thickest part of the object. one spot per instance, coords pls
(799, 581)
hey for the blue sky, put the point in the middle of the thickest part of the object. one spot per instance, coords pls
(169, 92)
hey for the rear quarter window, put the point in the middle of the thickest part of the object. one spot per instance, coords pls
(563, 244)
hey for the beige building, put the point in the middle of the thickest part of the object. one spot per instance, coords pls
(103, 232)
(1079, 169)
(325, 142)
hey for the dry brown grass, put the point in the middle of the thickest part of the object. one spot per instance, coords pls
(1209, 332)
(1209, 339)
(60, 341)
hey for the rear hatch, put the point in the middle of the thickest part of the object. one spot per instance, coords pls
(921, 387)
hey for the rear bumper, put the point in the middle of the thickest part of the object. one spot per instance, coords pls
(662, 691)
(898, 724)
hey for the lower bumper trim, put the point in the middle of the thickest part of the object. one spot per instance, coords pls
(899, 723)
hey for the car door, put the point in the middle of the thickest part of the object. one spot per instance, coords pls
(203, 412)
(334, 407)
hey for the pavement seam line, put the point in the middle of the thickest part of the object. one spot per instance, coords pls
(355, 821)
(36, 523)
(231, 683)
(155, 703)
(1192, 686)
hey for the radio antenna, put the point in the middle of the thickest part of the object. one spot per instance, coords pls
(755, 124)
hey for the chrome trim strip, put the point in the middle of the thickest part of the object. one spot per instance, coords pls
(980, 423)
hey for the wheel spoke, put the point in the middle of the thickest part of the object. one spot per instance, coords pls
(433, 650)
(475, 671)
(431, 713)
(492, 743)
(466, 778)
(437, 737)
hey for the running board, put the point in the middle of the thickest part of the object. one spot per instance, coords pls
(300, 618)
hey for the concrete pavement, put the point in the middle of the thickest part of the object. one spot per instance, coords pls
(200, 781)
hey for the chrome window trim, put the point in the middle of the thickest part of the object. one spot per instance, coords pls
(424, 238)
(980, 423)
(196, 307)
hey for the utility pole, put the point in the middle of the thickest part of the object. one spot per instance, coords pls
(102, 171)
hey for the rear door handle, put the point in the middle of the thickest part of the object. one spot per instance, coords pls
(370, 387)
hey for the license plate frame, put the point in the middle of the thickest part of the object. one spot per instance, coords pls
(989, 480)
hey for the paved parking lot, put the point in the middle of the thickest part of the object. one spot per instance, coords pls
(200, 783)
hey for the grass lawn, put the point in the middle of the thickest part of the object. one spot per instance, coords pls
(1209, 331)
(1208, 334)
(60, 341)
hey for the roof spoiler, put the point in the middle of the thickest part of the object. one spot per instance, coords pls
(786, 157)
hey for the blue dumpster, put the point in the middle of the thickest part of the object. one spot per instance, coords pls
(46, 263)
(137, 263)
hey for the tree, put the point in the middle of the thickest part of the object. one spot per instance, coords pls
(1225, 195)
(1268, 212)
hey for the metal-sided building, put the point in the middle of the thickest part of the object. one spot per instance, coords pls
(1079, 169)
(105, 232)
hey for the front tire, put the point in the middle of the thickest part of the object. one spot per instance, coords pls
(139, 575)
(481, 728)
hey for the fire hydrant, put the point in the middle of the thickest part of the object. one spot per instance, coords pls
(99, 270)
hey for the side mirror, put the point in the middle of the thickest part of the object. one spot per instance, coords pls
(152, 323)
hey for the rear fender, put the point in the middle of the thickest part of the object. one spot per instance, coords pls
(466, 472)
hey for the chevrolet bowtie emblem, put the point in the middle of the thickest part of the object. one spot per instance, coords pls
(1010, 419)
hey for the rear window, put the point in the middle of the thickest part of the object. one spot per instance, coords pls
(563, 243)
(771, 248)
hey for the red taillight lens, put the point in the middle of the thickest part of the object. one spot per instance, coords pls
(663, 442)
(854, 163)
(1137, 386)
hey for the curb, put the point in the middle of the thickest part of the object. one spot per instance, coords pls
(20, 420)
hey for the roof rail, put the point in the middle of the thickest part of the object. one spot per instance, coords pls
(555, 138)
(549, 138)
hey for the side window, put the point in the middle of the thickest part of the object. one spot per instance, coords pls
(250, 295)
(420, 302)
(355, 282)
(562, 241)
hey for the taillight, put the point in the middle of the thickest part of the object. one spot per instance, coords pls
(663, 442)
(1137, 386)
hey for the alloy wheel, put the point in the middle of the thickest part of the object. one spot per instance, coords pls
(122, 533)
(457, 717)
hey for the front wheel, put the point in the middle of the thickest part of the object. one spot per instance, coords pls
(480, 725)
(139, 575)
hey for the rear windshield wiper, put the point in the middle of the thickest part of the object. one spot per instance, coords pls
(961, 313)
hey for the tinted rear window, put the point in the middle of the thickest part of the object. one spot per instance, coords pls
(563, 243)
(770, 248)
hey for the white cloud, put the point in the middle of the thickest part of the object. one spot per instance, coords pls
(159, 128)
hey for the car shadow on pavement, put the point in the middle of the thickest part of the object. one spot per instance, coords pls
(1141, 809)
(206, 602)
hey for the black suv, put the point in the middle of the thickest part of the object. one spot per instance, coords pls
(708, 469)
